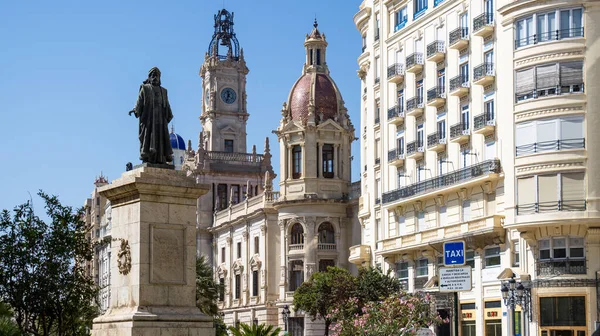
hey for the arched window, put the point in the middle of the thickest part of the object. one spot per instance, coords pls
(318, 56)
(297, 234)
(327, 161)
(296, 274)
(296, 161)
(326, 234)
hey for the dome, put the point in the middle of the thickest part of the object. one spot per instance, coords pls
(325, 97)
(176, 141)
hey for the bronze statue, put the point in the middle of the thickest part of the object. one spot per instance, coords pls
(154, 113)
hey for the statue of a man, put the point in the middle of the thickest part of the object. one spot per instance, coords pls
(154, 113)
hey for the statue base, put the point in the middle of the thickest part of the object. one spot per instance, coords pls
(155, 165)
(153, 267)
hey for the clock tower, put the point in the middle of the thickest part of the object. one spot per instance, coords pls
(224, 113)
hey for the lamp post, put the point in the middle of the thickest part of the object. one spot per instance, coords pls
(516, 294)
(286, 314)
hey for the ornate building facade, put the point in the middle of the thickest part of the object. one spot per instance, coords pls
(476, 123)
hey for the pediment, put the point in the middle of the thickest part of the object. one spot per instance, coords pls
(330, 125)
(222, 271)
(238, 268)
(255, 262)
(291, 127)
(228, 130)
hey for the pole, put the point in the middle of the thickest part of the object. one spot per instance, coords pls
(456, 312)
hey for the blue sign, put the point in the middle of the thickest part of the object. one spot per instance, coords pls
(454, 253)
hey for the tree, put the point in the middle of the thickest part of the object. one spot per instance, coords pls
(7, 326)
(42, 277)
(207, 289)
(373, 285)
(323, 292)
(244, 329)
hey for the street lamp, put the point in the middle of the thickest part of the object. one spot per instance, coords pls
(516, 294)
(286, 314)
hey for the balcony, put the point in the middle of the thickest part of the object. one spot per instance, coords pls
(436, 96)
(549, 36)
(327, 246)
(414, 150)
(460, 133)
(360, 254)
(484, 123)
(459, 38)
(414, 106)
(436, 51)
(459, 85)
(548, 146)
(457, 177)
(436, 142)
(484, 74)
(414, 62)
(396, 157)
(543, 207)
(396, 114)
(395, 73)
(296, 247)
(556, 267)
(483, 25)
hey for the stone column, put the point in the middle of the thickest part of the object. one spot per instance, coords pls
(320, 160)
(283, 260)
(153, 277)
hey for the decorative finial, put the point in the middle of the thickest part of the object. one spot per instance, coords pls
(315, 24)
(267, 146)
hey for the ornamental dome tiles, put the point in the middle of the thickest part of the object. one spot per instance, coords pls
(318, 88)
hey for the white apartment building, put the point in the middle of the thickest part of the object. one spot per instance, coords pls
(476, 124)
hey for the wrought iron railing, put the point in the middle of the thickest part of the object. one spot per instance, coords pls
(482, 70)
(556, 267)
(553, 145)
(396, 111)
(554, 206)
(482, 20)
(459, 129)
(436, 92)
(377, 80)
(484, 119)
(395, 154)
(377, 201)
(234, 157)
(549, 36)
(461, 175)
(435, 139)
(414, 59)
(377, 161)
(459, 81)
(460, 33)
(414, 147)
(414, 103)
(435, 47)
(396, 69)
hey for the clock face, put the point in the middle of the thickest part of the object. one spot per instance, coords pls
(206, 96)
(228, 95)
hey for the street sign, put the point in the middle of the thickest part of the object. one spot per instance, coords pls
(454, 253)
(455, 279)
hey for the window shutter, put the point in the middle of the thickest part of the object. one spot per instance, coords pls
(571, 73)
(525, 81)
(572, 187)
(546, 130)
(547, 76)
(526, 191)
(548, 189)
(525, 134)
(571, 128)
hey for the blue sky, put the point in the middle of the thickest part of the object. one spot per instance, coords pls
(71, 71)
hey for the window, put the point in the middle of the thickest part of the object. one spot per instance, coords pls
(254, 283)
(297, 161)
(400, 18)
(377, 72)
(221, 289)
(222, 254)
(98, 201)
(402, 274)
(378, 231)
(377, 111)
(470, 258)
(221, 197)
(327, 152)
(465, 117)
(562, 311)
(464, 73)
(442, 164)
(421, 171)
(400, 144)
(464, 23)
(364, 45)
(228, 146)
(543, 27)
(377, 191)
(488, 109)
(256, 245)
(549, 193)
(401, 99)
(493, 327)
(492, 257)
(326, 234)
(420, 8)
(549, 79)
(238, 285)
(421, 221)
(422, 267)
(441, 80)
(465, 157)
(310, 53)
(239, 250)
(561, 248)
(297, 234)
(419, 90)
(443, 215)
(466, 210)
(377, 27)
(235, 194)
(324, 263)
(401, 225)
(318, 56)
(490, 150)
(296, 274)
(377, 151)
(441, 129)
(515, 252)
(468, 328)
(420, 131)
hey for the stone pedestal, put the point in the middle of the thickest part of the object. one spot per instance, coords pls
(153, 258)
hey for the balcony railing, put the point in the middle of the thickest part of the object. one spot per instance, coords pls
(364, 48)
(395, 70)
(377, 120)
(459, 129)
(377, 35)
(482, 20)
(436, 92)
(401, 24)
(414, 147)
(396, 111)
(420, 282)
(461, 33)
(484, 119)
(553, 145)
(364, 90)
(296, 247)
(554, 206)
(556, 267)
(377, 201)
(395, 154)
(234, 157)
(326, 246)
(377, 80)
(459, 81)
(435, 47)
(549, 36)
(414, 59)
(461, 175)
(414, 102)
(482, 70)
(434, 139)
(377, 161)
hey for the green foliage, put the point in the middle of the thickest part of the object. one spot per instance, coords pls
(42, 278)
(220, 327)
(323, 292)
(207, 289)
(244, 329)
(373, 285)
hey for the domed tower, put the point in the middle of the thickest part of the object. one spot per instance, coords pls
(315, 134)
(178, 146)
